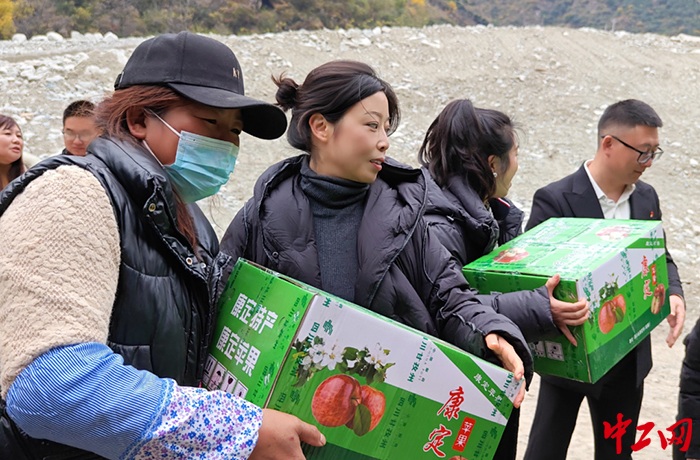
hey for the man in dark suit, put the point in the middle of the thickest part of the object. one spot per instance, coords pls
(606, 187)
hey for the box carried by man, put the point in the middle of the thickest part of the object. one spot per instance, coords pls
(619, 266)
(375, 388)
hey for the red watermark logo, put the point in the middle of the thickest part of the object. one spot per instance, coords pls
(684, 426)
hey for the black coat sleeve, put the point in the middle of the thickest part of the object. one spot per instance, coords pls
(530, 310)
(450, 237)
(233, 245)
(674, 279)
(544, 206)
(675, 286)
(509, 218)
(689, 395)
(460, 318)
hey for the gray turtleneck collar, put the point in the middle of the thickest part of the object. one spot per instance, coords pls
(337, 206)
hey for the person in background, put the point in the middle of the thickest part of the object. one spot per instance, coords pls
(11, 147)
(79, 127)
(345, 218)
(472, 154)
(689, 399)
(105, 311)
(607, 186)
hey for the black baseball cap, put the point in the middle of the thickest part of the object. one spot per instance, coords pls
(204, 70)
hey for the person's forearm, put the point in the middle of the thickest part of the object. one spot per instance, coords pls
(84, 396)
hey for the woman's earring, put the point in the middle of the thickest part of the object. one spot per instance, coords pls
(495, 174)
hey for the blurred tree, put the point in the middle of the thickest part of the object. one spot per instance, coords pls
(120, 17)
(141, 17)
(7, 26)
(39, 17)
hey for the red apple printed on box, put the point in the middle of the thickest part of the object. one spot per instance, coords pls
(612, 308)
(341, 399)
(511, 255)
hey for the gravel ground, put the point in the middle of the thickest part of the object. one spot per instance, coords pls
(556, 82)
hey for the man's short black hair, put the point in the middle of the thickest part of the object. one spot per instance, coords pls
(79, 109)
(629, 113)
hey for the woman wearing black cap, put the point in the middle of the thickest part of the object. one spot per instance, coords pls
(105, 313)
(345, 218)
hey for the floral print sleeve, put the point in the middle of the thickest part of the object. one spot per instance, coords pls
(198, 424)
(84, 396)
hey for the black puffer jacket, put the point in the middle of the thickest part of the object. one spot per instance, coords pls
(162, 314)
(689, 394)
(404, 272)
(465, 226)
(468, 230)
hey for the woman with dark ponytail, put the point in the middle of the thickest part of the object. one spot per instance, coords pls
(472, 154)
(345, 218)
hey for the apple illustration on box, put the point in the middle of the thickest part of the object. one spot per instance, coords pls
(611, 313)
(340, 400)
(511, 255)
(335, 400)
(375, 401)
(659, 298)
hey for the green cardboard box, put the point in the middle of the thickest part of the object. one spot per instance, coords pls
(618, 265)
(375, 388)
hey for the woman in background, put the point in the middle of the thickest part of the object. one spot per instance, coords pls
(472, 154)
(11, 148)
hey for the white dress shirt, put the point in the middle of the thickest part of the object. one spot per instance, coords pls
(612, 209)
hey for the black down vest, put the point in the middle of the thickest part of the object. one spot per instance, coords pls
(162, 315)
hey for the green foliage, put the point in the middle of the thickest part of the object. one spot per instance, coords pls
(658, 16)
(608, 290)
(362, 420)
(315, 356)
(143, 17)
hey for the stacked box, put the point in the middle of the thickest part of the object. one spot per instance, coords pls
(375, 388)
(619, 266)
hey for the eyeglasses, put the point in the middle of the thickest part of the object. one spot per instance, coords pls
(85, 137)
(643, 156)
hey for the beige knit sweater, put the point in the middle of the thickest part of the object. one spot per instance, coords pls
(59, 265)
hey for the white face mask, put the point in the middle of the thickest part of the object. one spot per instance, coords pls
(202, 164)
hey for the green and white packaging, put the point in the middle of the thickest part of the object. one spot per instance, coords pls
(375, 388)
(618, 265)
